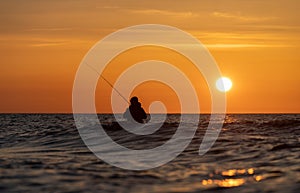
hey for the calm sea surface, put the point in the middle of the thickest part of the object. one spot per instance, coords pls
(254, 153)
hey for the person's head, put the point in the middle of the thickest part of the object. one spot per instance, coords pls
(134, 100)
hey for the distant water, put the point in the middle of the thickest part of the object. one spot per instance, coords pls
(254, 153)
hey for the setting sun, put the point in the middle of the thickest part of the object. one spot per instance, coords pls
(224, 84)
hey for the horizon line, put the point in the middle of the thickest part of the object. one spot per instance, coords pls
(172, 113)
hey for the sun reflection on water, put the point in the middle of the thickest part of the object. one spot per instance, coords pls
(250, 171)
(258, 178)
(231, 182)
(234, 172)
(225, 182)
(238, 178)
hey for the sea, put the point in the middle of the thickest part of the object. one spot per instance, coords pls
(253, 153)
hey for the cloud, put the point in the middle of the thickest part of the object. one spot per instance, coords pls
(32, 41)
(48, 44)
(240, 17)
(215, 46)
(244, 40)
(49, 29)
(152, 12)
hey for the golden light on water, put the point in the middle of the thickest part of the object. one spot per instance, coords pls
(225, 182)
(233, 172)
(229, 173)
(258, 178)
(231, 182)
(207, 182)
(243, 175)
(250, 171)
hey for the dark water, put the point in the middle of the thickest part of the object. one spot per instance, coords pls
(254, 153)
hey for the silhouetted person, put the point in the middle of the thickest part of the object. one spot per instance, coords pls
(135, 111)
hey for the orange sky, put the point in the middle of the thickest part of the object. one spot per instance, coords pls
(255, 43)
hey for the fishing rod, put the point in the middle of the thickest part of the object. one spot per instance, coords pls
(120, 94)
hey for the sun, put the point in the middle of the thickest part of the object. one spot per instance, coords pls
(223, 84)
